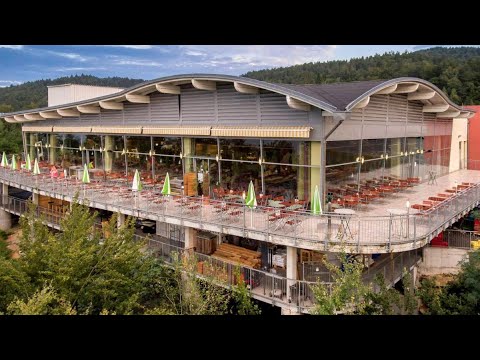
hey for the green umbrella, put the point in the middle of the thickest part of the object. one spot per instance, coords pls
(166, 186)
(14, 163)
(251, 200)
(316, 205)
(28, 165)
(36, 169)
(4, 160)
(137, 183)
(86, 176)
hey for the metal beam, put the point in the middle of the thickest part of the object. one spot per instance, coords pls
(68, 112)
(204, 84)
(436, 108)
(88, 109)
(33, 117)
(111, 105)
(139, 99)
(168, 89)
(50, 114)
(406, 88)
(245, 89)
(421, 95)
(297, 104)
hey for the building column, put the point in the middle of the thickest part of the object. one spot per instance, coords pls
(5, 194)
(35, 198)
(108, 154)
(414, 276)
(120, 220)
(315, 177)
(53, 151)
(292, 275)
(189, 238)
(5, 220)
(33, 140)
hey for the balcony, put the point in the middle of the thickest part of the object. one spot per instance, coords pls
(369, 230)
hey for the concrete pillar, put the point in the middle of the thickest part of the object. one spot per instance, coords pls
(414, 276)
(5, 194)
(301, 181)
(35, 198)
(52, 149)
(33, 140)
(292, 259)
(108, 152)
(189, 238)
(5, 220)
(315, 159)
(120, 219)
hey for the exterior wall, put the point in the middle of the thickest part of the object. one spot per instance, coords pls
(68, 93)
(385, 116)
(458, 146)
(225, 106)
(438, 260)
(474, 139)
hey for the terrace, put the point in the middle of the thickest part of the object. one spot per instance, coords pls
(371, 228)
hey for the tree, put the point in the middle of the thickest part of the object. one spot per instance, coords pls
(43, 302)
(460, 296)
(91, 273)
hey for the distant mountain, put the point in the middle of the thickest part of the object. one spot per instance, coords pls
(33, 94)
(454, 70)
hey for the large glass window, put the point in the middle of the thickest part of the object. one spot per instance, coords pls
(240, 149)
(342, 152)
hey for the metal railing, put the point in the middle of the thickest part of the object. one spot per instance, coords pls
(325, 232)
(461, 239)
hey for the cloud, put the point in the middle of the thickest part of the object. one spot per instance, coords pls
(5, 83)
(136, 47)
(71, 56)
(66, 69)
(13, 47)
(136, 62)
(241, 58)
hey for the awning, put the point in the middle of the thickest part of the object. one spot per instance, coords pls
(187, 130)
(72, 129)
(263, 131)
(37, 129)
(117, 129)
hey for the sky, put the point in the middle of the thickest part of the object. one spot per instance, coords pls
(21, 63)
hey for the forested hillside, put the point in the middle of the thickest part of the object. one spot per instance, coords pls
(454, 70)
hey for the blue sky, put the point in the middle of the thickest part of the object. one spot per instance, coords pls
(20, 63)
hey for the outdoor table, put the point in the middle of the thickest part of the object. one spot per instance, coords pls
(345, 216)
(399, 214)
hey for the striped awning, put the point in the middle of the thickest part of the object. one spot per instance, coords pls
(37, 129)
(263, 131)
(186, 130)
(117, 129)
(72, 129)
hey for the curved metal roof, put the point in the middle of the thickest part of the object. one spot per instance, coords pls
(338, 97)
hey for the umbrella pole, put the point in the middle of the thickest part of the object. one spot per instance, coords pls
(251, 217)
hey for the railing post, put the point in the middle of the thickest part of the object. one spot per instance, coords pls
(390, 233)
(414, 230)
(358, 235)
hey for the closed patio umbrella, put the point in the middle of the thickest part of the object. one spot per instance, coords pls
(36, 168)
(316, 204)
(137, 183)
(14, 163)
(166, 186)
(4, 160)
(28, 165)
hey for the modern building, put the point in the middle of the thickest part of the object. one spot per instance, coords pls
(383, 155)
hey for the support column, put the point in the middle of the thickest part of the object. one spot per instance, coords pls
(414, 276)
(189, 238)
(5, 194)
(292, 275)
(5, 220)
(33, 140)
(120, 219)
(315, 178)
(35, 198)
(301, 179)
(53, 151)
(108, 152)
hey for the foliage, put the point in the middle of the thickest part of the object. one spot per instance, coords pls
(91, 273)
(243, 301)
(460, 296)
(347, 293)
(14, 283)
(456, 70)
(5, 252)
(43, 302)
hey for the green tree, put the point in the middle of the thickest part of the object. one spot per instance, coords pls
(43, 302)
